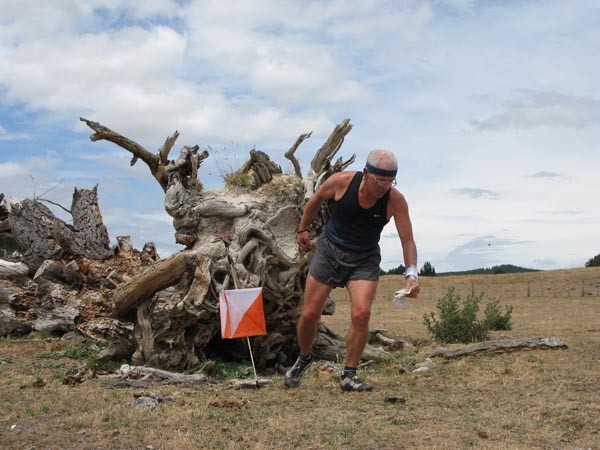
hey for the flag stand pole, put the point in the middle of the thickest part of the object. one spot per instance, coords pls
(252, 359)
(236, 283)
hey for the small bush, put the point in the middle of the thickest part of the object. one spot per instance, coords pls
(459, 323)
(222, 370)
(494, 319)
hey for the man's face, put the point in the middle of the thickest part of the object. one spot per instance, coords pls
(378, 184)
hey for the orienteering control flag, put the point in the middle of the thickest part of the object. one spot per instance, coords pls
(242, 313)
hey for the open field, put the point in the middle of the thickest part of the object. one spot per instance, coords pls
(534, 399)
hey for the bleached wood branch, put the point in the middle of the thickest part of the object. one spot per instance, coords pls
(290, 153)
(11, 270)
(158, 276)
(500, 346)
(128, 371)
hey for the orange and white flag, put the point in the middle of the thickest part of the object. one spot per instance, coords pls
(242, 313)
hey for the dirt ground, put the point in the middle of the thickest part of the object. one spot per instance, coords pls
(530, 399)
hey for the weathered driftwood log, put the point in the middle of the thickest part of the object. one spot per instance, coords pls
(12, 270)
(246, 231)
(55, 272)
(136, 372)
(10, 324)
(321, 166)
(500, 346)
(248, 384)
(157, 277)
(378, 336)
(44, 236)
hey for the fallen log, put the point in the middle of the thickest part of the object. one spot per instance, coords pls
(500, 346)
(55, 272)
(12, 270)
(378, 336)
(137, 372)
(159, 276)
(249, 384)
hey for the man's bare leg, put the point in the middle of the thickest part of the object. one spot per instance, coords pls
(362, 293)
(315, 296)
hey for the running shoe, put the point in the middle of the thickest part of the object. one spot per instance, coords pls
(355, 384)
(296, 372)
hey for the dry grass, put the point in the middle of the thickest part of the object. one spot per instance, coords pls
(533, 399)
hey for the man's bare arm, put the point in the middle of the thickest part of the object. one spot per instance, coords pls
(404, 228)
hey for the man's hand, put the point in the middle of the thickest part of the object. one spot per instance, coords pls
(411, 287)
(303, 240)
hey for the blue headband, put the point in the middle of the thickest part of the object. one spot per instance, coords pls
(382, 172)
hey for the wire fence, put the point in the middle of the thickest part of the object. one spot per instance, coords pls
(513, 290)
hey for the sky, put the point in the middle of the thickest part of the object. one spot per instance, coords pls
(492, 108)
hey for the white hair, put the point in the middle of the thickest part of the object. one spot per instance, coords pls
(378, 156)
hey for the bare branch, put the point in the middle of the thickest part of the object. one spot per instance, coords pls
(55, 204)
(290, 153)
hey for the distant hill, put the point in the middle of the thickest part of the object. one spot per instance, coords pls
(504, 268)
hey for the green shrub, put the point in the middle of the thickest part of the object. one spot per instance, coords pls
(221, 370)
(494, 319)
(459, 323)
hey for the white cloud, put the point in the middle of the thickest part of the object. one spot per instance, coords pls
(140, 9)
(543, 109)
(127, 79)
(12, 169)
(397, 21)
(261, 55)
(67, 72)
(476, 192)
(546, 174)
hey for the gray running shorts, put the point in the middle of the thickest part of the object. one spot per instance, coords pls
(335, 266)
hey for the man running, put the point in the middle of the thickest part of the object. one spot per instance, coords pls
(348, 254)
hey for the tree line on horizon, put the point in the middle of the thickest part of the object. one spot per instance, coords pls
(427, 270)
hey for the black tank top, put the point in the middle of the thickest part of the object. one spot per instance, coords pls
(352, 226)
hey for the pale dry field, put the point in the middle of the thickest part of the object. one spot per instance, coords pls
(531, 399)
